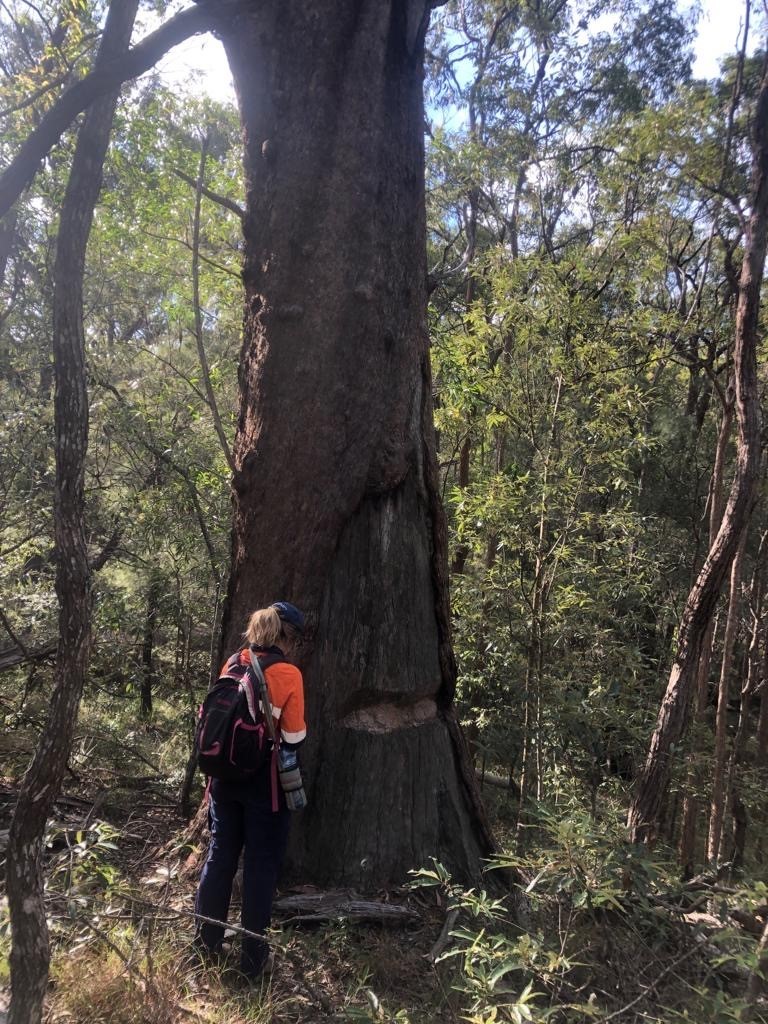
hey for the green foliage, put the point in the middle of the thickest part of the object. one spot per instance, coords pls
(586, 202)
(156, 472)
(82, 863)
(585, 223)
(588, 862)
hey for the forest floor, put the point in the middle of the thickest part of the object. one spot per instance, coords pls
(591, 932)
(122, 897)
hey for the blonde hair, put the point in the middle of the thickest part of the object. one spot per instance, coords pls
(266, 629)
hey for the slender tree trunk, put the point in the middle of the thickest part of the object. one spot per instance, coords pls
(717, 807)
(673, 716)
(687, 848)
(761, 738)
(185, 792)
(336, 501)
(30, 953)
(7, 240)
(530, 691)
(531, 759)
(761, 756)
(492, 542)
(148, 645)
(732, 848)
(461, 553)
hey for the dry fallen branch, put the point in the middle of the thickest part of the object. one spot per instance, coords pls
(13, 656)
(332, 905)
(654, 984)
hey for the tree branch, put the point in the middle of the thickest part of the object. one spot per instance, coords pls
(22, 169)
(13, 657)
(107, 551)
(10, 631)
(228, 204)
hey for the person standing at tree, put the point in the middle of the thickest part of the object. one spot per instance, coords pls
(253, 816)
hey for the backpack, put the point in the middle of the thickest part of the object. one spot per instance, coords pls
(232, 731)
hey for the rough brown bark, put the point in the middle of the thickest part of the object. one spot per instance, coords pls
(30, 952)
(336, 504)
(673, 715)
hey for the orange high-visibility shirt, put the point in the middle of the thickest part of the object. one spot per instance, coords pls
(286, 694)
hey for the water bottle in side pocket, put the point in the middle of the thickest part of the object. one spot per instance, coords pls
(290, 779)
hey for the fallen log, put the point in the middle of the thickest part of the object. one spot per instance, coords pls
(13, 656)
(334, 905)
(751, 921)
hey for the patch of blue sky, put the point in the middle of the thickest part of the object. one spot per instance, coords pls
(200, 64)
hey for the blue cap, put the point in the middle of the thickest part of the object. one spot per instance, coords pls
(290, 613)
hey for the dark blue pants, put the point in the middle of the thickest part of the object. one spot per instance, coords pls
(241, 818)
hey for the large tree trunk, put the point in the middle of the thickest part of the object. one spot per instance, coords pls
(335, 499)
(673, 715)
(30, 952)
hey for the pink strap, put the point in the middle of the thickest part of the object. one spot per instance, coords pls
(207, 793)
(274, 781)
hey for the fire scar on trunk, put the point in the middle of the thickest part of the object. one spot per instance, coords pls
(388, 716)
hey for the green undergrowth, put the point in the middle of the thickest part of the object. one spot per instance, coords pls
(571, 925)
(117, 758)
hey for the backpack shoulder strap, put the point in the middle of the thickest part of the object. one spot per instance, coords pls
(256, 669)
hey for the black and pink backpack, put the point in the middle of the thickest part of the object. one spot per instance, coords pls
(232, 739)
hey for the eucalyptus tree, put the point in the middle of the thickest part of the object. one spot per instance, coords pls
(644, 812)
(30, 951)
(528, 164)
(335, 387)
